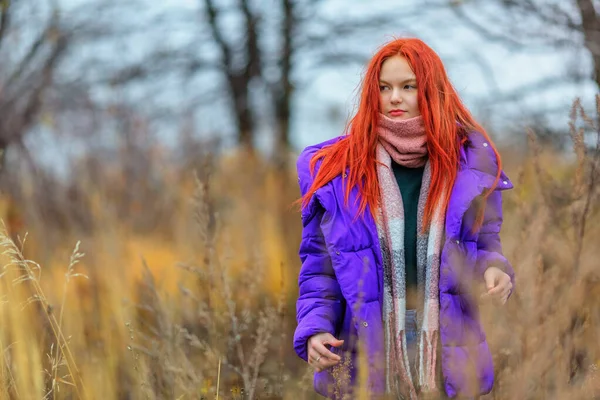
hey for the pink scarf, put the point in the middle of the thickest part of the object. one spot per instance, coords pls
(404, 140)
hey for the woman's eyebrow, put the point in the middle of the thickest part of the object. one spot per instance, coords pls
(408, 80)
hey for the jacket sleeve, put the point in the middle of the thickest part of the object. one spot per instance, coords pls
(320, 304)
(489, 247)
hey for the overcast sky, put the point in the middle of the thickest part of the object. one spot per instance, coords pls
(323, 105)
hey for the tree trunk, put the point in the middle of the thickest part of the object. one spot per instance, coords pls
(591, 33)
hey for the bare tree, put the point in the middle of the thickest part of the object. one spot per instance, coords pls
(25, 80)
(261, 51)
(534, 26)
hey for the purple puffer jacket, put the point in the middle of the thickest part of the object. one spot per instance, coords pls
(341, 279)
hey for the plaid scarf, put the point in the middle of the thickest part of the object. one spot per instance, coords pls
(390, 226)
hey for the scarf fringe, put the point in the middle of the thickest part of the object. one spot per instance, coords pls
(427, 362)
(404, 368)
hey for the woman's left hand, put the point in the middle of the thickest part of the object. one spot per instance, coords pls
(497, 284)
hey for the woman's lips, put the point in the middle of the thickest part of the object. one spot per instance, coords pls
(397, 113)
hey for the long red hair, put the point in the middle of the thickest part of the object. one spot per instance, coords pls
(447, 123)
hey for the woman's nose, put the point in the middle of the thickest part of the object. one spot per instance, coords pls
(396, 98)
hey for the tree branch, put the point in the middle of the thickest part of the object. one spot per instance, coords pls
(157, 64)
(534, 87)
(343, 29)
(212, 15)
(331, 59)
(253, 65)
(551, 14)
(554, 16)
(20, 106)
(47, 73)
(33, 51)
(484, 31)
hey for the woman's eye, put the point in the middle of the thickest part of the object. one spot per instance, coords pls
(381, 88)
(410, 87)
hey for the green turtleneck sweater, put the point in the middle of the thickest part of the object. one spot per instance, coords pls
(409, 182)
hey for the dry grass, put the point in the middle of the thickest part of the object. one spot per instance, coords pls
(194, 297)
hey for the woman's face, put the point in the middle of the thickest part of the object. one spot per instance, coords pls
(398, 89)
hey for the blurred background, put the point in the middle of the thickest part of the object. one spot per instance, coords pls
(147, 181)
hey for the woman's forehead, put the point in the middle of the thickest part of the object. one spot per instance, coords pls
(396, 68)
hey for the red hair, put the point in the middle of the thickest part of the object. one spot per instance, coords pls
(447, 123)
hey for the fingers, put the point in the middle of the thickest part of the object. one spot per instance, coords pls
(334, 342)
(490, 277)
(502, 297)
(490, 285)
(319, 356)
(496, 291)
(506, 288)
(320, 362)
(501, 290)
(500, 287)
(320, 348)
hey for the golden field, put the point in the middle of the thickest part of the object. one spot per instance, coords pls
(180, 283)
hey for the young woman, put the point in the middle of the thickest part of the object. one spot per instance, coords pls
(401, 220)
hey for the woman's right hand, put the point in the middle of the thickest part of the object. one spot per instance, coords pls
(319, 357)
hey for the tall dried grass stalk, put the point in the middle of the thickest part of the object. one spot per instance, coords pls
(29, 273)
